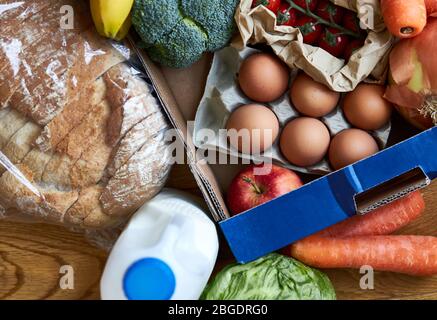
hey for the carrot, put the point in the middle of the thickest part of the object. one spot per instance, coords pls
(362, 240)
(431, 8)
(382, 221)
(404, 18)
(413, 255)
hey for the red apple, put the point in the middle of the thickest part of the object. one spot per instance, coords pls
(258, 184)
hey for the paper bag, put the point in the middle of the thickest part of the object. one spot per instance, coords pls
(258, 25)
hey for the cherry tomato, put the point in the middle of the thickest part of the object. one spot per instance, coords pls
(286, 16)
(334, 42)
(310, 29)
(330, 12)
(351, 22)
(272, 5)
(312, 4)
(353, 46)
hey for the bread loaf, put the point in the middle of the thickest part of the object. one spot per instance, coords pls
(54, 85)
(40, 38)
(15, 12)
(81, 128)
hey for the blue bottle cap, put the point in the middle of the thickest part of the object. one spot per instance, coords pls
(149, 279)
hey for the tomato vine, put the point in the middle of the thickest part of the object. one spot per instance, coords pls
(320, 20)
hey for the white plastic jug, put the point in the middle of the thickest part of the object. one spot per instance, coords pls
(167, 252)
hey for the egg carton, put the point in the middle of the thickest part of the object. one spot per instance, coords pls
(223, 95)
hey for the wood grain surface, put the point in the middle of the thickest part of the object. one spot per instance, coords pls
(31, 256)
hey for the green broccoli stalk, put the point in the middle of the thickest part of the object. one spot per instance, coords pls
(177, 32)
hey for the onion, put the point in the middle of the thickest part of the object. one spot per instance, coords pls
(414, 117)
(431, 7)
(413, 73)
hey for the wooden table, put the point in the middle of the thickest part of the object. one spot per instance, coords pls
(31, 254)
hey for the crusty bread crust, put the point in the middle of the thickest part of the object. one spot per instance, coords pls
(123, 83)
(51, 91)
(148, 167)
(88, 138)
(71, 116)
(37, 161)
(10, 123)
(90, 167)
(19, 12)
(88, 212)
(19, 144)
(42, 55)
(86, 132)
(130, 99)
(136, 138)
(50, 204)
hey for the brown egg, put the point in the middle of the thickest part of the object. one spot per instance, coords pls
(350, 146)
(304, 141)
(263, 77)
(366, 108)
(256, 128)
(312, 98)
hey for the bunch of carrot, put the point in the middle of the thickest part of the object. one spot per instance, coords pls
(364, 240)
(407, 18)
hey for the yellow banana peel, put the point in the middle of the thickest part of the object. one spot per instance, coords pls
(112, 17)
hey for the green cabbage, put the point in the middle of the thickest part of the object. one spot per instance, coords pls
(273, 277)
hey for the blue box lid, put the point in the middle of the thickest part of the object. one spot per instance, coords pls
(326, 201)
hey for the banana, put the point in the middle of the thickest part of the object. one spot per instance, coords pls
(112, 17)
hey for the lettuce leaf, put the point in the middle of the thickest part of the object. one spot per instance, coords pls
(273, 277)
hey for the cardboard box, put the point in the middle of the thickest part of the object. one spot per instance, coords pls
(356, 189)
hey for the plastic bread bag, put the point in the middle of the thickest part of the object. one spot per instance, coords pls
(82, 133)
(258, 25)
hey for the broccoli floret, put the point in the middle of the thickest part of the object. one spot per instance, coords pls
(216, 17)
(153, 19)
(183, 46)
(177, 32)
